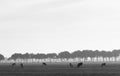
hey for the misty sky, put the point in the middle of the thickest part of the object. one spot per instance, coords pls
(44, 26)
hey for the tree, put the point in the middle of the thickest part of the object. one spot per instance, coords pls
(115, 52)
(40, 56)
(51, 55)
(76, 54)
(16, 56)
(64, 54)
(87, 53)
(2, 57)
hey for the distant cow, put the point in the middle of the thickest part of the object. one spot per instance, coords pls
(71, 65)
(103, 64)
(44, 64)
(13, 64)
(79, 64)
(21, 65)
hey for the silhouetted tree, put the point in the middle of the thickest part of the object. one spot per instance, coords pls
(115, 53)
(103, 53)
(76, 54)
(64, 54)
(41, 56)
(87, 53)
(26, 56)
(2, 57)
(16, 56)
(51, 55)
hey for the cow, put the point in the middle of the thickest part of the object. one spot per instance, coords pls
(103, 64)
(44, 64)
(79, 64)
(21, 65)
(71, 65)
(13, 64)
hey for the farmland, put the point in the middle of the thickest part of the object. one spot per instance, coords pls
(60, 69)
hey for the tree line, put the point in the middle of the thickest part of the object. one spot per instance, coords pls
(65, 54)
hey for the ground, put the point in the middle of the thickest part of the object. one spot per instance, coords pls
(60, 69)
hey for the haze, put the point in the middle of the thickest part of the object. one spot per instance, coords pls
(44, 26)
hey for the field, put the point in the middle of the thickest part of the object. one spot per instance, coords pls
(61, 69)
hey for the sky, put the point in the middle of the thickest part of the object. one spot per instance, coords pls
(46, 26)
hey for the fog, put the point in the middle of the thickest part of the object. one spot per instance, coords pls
(56, 25)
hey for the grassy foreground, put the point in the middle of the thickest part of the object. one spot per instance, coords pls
(60, 70)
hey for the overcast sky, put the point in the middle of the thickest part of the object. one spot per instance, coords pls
(44, 26)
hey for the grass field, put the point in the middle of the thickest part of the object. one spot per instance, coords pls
(60, 70)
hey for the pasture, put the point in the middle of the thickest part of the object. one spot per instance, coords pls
(60, 69)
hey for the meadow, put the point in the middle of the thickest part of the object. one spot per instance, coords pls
(60, 69)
